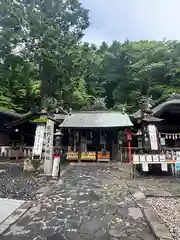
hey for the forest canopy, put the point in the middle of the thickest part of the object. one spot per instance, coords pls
(44, 61)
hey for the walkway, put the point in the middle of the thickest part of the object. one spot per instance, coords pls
(90, 202)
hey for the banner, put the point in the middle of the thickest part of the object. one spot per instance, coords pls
(142, 158)
(72, 156)
(164, 167)
(155, 158)
(149, 158)
(135, 159)
(88, 156)
(39, 138)
(178, 156)
(145, 167)
(153, 137)
(162, 158)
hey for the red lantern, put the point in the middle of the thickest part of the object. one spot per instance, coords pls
(129, 136)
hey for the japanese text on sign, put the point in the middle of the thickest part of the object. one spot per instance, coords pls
(72, 156)
(88, 155)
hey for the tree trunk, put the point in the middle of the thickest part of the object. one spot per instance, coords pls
(44, 88)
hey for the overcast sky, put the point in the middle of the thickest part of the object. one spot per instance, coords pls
(132, 19)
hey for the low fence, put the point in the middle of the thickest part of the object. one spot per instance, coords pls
(123, 153)
(20, 152)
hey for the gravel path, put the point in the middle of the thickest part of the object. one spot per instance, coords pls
(16, 185)
(168, 210)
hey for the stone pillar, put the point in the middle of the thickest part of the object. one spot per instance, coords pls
(48, 161)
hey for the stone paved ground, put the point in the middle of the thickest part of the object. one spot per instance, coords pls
(92, 202)
(156, 186)
(15, 184)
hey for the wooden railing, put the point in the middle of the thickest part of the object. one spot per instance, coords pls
(23, 151)
(10, 152)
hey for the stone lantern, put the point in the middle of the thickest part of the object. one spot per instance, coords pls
(57, 138)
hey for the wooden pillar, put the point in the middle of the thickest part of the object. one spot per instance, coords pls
(70, 141)
(83, 142)
(74, 133)
(96, 139)
(119, 147)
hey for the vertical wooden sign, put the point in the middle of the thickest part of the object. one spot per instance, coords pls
(38, 141)
(153, 137)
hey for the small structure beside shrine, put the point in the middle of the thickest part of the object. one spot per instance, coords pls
(6, 136)
(44, 126)
(9, 138)
(157, 139)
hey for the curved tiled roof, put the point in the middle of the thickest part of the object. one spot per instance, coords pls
(96, 119)
(159, 109)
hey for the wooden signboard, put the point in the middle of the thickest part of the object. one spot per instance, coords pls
(145, 167)
(155, 158)
(72, 156)
(103, 157)
(177, 156)
(162, 158)
(142, 158)
(149, 158)
(88, 156)
(153, 137)
(135, 159)
(38, 142)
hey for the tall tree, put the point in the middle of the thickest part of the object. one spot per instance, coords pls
(44, 32)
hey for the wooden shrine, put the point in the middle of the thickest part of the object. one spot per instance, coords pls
(93, 135)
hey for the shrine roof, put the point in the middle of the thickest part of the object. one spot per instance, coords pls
(172, 106)
(96, 119)
(30, 117)
(11, 114)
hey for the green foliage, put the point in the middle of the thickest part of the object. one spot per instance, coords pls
(38, 47)
(43, 62)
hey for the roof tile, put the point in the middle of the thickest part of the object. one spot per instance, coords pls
(96, 119)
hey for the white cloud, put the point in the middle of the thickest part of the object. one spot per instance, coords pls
(132, 19)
